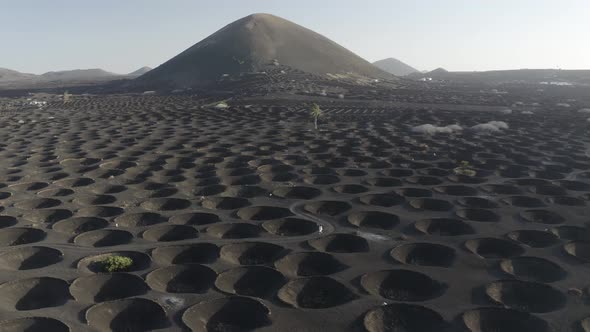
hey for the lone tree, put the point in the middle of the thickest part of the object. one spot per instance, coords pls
(315, 113)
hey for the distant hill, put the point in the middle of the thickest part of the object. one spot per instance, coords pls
(437, 72)
(395, 67)
(529, 76)
(7, 75)
(139, 72)
(78, 74)
(253, 43)
(13, 79)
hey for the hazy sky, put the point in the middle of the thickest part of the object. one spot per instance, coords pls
(123, 35)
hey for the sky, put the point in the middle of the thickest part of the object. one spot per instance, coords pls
(123, 35)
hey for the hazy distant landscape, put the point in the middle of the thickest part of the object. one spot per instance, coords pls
(269, 179)
(11, 79)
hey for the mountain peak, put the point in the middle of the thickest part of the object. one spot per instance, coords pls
(395, 67)
(262, 16)
(439, 70)
(251, 44)
(140, 71)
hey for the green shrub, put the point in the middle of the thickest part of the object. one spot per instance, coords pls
(116, 263)
(465, 169)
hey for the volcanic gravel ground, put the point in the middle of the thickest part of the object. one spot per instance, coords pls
(248, 218)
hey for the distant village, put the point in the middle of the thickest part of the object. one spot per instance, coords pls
(33, 101)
